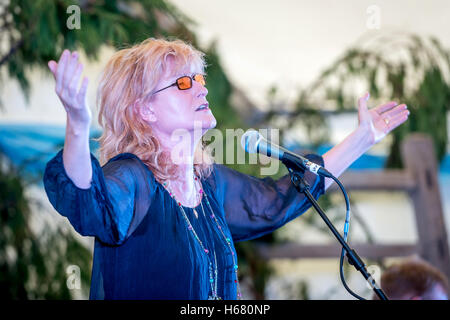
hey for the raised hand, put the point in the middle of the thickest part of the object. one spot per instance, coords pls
(67, 73)
(381, 120)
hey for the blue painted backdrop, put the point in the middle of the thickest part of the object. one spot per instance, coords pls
(31, 146)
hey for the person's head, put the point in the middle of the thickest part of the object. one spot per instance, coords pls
(414, 279)
(140, 118)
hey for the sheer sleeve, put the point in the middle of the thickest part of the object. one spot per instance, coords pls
(254, 207)
(113, 206)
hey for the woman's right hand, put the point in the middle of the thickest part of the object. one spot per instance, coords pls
(67, 73)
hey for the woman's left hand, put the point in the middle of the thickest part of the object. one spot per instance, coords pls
(381, 120)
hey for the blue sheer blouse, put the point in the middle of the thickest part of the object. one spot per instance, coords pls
(143, 248)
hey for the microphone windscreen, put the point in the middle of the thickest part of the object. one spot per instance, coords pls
(250, 140)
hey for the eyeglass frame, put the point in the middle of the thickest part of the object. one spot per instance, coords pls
(191, 78)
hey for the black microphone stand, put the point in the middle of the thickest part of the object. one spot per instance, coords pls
(302, 186)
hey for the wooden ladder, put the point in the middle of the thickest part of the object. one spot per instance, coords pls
(420, 181)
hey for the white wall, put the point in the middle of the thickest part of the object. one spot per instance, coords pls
(290, 41)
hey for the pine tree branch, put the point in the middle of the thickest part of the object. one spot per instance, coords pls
(5, 26)
(13, 49)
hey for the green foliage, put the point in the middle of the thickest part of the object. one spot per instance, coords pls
(33, 266)
(37, 30)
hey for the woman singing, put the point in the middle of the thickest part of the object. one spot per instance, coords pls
(165, 229)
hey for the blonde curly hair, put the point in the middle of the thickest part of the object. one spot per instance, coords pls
(129, 78)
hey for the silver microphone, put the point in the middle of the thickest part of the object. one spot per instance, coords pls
(253, 142)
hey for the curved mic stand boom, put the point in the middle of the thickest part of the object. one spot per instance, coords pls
(297, 173)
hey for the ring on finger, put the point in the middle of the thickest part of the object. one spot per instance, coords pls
(386, 120)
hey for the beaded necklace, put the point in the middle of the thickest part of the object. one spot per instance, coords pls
(212, 273)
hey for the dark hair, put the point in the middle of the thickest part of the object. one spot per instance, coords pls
(413, 277)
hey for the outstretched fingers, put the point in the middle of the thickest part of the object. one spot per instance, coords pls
(396, 110)
(52, 65)
(385, 107)
(83, 89)
(61, 67)
(73, 86)
(396, 120)
(70, 70)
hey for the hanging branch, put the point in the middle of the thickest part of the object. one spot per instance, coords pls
(12, 50)
(400, 67)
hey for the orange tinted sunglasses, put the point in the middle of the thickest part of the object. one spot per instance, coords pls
(185, 82)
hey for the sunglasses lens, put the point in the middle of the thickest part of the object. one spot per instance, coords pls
(184, 83)
(200, 79)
